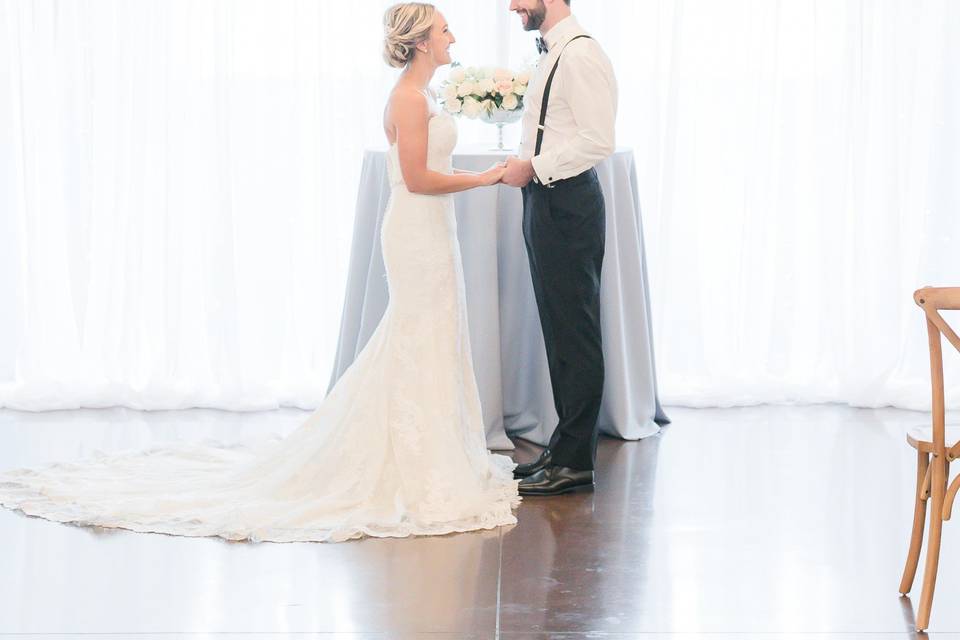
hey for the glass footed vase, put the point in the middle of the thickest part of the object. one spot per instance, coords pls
(500, 118)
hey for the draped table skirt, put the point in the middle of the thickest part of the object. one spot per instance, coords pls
(507, 343)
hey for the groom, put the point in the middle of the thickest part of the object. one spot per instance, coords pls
(568, 127)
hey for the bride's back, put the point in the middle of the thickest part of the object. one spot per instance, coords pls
(440, 132)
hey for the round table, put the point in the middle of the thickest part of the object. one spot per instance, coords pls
(507, 343)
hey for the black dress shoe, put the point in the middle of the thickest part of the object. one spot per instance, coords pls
(553, 480)
(530, 468)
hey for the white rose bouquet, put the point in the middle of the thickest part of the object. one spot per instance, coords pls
(493, 95)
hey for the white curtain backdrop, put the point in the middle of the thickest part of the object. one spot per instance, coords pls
(178, 177)
(798, 163)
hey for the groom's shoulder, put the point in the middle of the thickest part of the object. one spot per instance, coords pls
(583, 44)
(584, 49)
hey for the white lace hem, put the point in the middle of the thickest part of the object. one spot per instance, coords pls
(18, 492)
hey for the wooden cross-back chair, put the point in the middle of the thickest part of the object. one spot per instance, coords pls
(937, 446)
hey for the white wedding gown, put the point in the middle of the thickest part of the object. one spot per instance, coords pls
(396, 449)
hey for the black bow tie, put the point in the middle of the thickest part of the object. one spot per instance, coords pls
(541, 46)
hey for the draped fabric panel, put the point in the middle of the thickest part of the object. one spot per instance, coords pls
(178, 181)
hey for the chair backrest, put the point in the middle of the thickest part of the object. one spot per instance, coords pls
(933, 300)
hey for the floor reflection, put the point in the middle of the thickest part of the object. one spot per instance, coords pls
(577, 560)
(732, 523)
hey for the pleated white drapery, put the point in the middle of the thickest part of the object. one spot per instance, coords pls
(797, 163)
(178, 178)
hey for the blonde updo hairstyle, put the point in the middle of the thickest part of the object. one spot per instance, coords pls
(405, 26)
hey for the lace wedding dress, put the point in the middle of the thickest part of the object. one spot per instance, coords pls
(396, 449)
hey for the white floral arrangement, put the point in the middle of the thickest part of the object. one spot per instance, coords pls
(484, 92)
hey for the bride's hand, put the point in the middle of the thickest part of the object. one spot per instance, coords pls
(493, 175)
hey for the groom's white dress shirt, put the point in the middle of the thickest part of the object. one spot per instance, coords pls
(579, 129)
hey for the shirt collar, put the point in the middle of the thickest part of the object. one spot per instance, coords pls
(561, 31)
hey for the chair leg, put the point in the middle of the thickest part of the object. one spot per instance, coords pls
(938, 490)
(919, 515)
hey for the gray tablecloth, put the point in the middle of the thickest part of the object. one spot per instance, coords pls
(508, 352)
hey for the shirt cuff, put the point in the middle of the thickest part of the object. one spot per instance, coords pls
(545, 170)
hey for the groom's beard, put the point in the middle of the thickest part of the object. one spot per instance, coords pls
(535, 17)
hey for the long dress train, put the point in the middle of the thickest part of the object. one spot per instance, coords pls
(397, 448)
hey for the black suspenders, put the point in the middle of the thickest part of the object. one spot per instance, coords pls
(546, 95)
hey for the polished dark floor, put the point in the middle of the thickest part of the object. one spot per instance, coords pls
(764, 522)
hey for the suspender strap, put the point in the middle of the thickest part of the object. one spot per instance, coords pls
(546, 95)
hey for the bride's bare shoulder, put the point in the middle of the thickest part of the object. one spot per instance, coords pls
(407, 109)
(407, 100)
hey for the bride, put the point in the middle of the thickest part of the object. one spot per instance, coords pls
(397, 448)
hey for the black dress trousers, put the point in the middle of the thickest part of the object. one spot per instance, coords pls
(564, 230)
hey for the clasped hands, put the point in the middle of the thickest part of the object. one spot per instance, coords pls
(512, 172)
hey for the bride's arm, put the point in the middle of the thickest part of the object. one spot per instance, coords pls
(411, 116)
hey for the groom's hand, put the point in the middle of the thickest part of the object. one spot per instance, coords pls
(519, 172)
